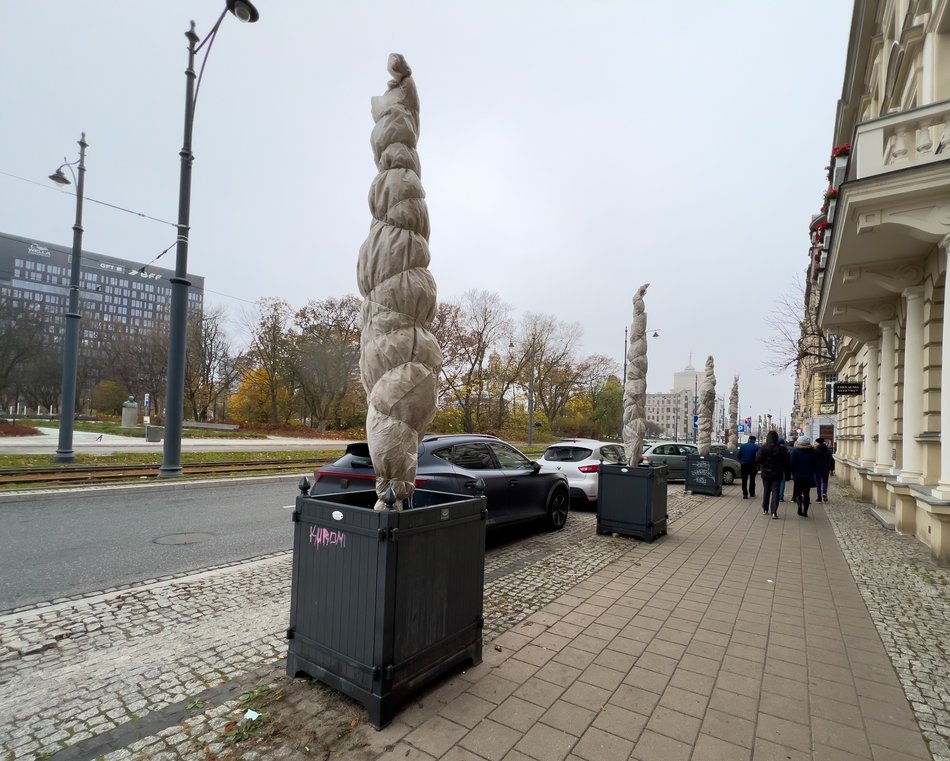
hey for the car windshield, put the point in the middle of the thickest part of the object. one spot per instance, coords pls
(567, 454)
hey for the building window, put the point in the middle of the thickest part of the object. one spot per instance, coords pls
(830, 380)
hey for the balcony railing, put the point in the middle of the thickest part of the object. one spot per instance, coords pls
(910, 138)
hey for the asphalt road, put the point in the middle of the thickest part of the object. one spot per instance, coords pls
(69, 542)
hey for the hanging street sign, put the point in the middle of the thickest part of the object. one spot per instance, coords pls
(849, 388)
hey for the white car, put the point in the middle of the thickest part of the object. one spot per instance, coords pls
(579, 460)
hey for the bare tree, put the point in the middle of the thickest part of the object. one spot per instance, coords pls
(796, 334)
(211, 368)
(326, 356)
(139, 362)
(557, 372)
(22, 338)
(468, 332)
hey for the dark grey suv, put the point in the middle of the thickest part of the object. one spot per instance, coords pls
(515, 488)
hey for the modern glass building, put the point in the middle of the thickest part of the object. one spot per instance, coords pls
(115, 295)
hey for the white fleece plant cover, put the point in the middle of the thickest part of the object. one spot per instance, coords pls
(734, 414)
(635, 384)
(707, 404)
(399, 356)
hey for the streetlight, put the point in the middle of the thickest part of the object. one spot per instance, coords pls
(67, 408)
(178, 323)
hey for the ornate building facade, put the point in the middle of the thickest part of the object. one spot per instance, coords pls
(879, 264)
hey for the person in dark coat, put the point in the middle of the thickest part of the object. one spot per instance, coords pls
(772, 459)
(803, 474)
(824, 467)
(746, 458)
(781, 485)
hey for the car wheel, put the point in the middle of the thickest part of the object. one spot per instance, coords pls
(558, 506)
(728, 476)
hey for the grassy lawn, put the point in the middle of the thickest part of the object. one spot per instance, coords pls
(149, 458)
(139, 433)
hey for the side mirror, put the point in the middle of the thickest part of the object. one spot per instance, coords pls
(304, 485)
(535, 466)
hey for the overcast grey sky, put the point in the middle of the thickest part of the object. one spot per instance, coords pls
(570, 152)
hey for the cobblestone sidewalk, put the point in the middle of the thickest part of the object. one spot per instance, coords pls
(908, 598)
(160, 668)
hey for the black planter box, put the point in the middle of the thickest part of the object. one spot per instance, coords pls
(631, 500)
(382, 602)
(704, 474)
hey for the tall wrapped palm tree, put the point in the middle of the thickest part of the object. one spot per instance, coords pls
(635, 384)
(707, 404)
(400, 357)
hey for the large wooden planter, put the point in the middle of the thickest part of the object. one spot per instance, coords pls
(631, 500)
(704, 474)
(382, 602)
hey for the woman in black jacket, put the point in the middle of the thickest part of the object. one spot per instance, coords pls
(772, 459)
(824, 466)
(803, 472)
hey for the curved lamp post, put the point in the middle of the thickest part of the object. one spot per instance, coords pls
(178, 324)
(67, 409)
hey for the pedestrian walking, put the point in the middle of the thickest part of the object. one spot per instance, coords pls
(781, 485)
(772, 460)
(803, 474)
(747, 466)
(824, 467)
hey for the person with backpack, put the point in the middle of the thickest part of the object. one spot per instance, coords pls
(772, 459)
(802, 467)
(824, 467)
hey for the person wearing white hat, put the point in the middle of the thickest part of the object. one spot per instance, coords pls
(802, 466)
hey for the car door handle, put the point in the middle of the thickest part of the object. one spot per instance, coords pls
(469, 484)
(513, 482)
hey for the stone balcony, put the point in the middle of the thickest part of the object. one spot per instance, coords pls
(902, 140)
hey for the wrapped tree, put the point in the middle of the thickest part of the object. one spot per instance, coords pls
(707, 404)
(734, 414)
(399, 356)
(635, 384)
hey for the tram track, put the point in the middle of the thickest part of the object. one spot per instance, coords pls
(48, 475)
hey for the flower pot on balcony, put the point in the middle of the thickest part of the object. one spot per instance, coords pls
(839, 170)
(382, 602)
(631, 500)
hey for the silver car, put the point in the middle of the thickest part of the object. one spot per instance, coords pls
(673, 455)
(579, 460)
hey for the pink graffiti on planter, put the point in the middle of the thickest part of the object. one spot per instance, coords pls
(320, 537)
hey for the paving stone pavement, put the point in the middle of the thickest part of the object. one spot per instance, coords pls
(733, 637)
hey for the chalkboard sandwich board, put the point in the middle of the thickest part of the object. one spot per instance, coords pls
(704, 474)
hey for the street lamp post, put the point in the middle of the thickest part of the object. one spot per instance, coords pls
(67, 408)
(178, 324)
(531, 398)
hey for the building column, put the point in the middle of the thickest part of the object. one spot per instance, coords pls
(942, 491)
(913, 406)
(885, 423)
(870, 403)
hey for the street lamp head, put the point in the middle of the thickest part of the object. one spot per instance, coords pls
(243, 10)
(59, 178)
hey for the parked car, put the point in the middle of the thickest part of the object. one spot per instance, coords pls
(673, 455)
(515, 488)
(579, 460)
